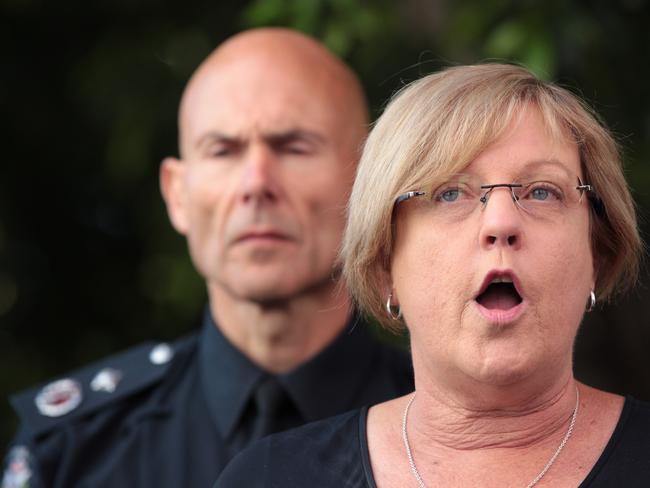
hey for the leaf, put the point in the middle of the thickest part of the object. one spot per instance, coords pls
(265, 12)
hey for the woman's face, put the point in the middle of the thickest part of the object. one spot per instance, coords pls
(451, 276)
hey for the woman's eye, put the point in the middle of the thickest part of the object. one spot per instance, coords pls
(540, 194)
(543, 193)
(450, 195)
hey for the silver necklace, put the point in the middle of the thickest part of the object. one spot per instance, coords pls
(550, 462)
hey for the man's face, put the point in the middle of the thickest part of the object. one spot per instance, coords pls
(267, 167)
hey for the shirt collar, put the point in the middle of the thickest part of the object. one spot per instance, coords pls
(329, 383)
(323, 386)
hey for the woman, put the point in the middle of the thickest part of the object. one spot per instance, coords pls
(489, 212)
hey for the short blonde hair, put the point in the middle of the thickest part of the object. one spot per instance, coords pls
(437, 125)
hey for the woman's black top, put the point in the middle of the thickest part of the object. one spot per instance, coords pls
(334, 453)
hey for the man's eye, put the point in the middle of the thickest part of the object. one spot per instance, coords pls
(296, 149)
(221, 151)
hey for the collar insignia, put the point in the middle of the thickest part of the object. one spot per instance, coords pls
(18, 470)
(59, 397)
(106, 380)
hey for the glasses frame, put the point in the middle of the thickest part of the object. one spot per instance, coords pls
(581, 187)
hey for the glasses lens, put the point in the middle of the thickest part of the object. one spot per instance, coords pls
(547, 195)
(455, 198)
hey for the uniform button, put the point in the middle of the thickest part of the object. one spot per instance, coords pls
(161, 354)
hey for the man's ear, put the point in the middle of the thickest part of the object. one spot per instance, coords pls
(174, 192)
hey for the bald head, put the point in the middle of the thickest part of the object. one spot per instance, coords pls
(255, 67)
(271, 127)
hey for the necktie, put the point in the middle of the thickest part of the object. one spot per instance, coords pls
(275, 410)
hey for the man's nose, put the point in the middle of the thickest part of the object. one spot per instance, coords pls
(501, 224)
(259, 179)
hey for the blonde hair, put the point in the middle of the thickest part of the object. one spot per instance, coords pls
(437, 125)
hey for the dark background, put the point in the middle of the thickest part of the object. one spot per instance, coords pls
(88, 95)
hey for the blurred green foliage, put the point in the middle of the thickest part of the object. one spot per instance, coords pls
(88, 261)
(339, 24)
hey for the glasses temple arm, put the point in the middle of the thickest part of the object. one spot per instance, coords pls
(408, 195)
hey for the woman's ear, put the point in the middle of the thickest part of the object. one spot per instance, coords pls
(172, 187)
(386, 285)
(594, 275)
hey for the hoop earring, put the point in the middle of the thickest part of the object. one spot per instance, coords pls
(390, 309)
(592, 301)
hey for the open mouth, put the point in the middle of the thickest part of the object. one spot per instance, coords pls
(500, 294)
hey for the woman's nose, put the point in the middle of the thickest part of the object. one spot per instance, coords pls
(501, 224)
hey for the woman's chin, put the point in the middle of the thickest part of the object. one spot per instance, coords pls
(501, 366)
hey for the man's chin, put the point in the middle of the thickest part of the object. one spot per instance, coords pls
(271, 285)
(277, 292)
(263, 291)
(266, 295)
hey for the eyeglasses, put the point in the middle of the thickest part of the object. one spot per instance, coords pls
(543, 196)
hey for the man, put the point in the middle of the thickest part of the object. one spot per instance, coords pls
(270, 129)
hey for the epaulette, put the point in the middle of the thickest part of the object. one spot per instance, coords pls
(92, 387)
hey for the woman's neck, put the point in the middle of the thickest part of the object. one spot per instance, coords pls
(454, 443)
(439, 419)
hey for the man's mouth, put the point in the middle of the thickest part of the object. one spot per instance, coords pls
(262, 236)
(265, 235)
(499, 292)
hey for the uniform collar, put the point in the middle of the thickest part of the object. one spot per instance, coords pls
(324, 386)
(228, 378)
(330, 382)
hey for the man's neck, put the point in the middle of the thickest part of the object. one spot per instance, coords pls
(280, 336)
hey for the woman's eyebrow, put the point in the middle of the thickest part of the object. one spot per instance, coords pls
(535, 164)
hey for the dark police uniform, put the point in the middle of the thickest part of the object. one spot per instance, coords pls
(174, 415)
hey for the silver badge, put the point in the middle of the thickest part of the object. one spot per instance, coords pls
(59, 397)
(18, 470)
(106, 380)
(161, 354)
